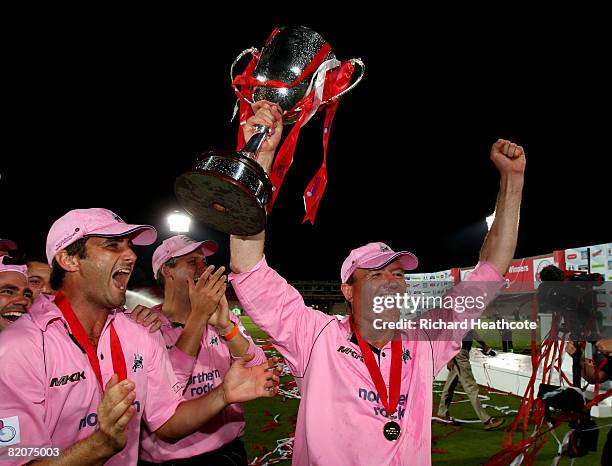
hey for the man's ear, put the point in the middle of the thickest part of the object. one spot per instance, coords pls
(67, 262)
(347, 291)
(166, 272)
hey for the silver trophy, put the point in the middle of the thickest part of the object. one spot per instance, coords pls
(229, 191)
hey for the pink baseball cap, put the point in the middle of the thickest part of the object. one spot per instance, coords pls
(80, 223)
(8, 245)
(375, 256)
(22, 269)
(180, 245)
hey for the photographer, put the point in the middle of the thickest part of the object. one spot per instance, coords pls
(589, 368)
(592, 374)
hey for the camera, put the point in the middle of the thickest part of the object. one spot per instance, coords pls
(561, 402)
(571, 294)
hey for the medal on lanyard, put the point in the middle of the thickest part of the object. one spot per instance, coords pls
(391, 429)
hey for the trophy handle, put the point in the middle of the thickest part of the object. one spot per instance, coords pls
(354, 61)
(252, 51)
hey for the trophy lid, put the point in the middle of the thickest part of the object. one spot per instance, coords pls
(284, 59)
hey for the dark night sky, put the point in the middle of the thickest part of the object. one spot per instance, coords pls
(101, 116)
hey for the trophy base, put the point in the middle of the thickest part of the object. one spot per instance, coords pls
(227, 192)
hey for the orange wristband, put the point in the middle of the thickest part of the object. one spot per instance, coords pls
(231, 334)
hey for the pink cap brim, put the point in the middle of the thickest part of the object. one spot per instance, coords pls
(209, 247)
(407, 260)
(22, 269)
(142, 235)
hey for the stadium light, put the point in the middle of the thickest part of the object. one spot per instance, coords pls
(179, 222)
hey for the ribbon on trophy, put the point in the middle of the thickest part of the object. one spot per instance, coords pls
(330, 77)
(247, 92)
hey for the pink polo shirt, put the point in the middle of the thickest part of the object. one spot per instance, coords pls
(340, 419)
(49, 393)
(200, 375)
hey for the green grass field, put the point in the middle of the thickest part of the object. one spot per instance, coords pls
(467, 444)
(521, 339)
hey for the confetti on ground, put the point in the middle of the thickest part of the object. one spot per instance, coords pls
(505, 410)
(282, 452)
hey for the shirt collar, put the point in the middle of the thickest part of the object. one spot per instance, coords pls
(44, 311)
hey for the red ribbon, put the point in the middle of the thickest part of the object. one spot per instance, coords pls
(284, 156)
(272, 35)
(248, 80)
(395, 376)
(248, 83)
(80, 334)
(336, 81)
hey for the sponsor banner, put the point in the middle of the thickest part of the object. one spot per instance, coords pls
(577, 259)
(443, 276)
(429, 284)
(601, 260)
(523, 275)
(539, 264)
(520, 276)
